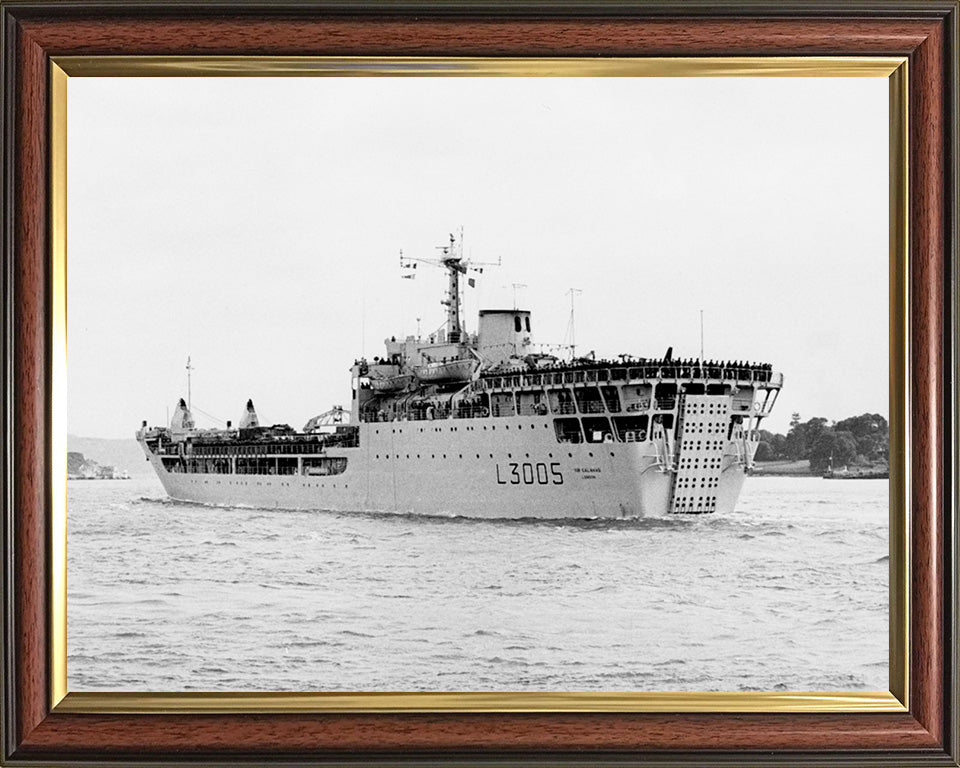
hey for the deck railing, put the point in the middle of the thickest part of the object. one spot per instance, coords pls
(591, 374)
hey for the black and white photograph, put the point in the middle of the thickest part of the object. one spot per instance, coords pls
(493, 384)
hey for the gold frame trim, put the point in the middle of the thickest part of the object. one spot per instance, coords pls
(58, 387)
(893, 68)
(384, 703)
(439, 66)
(899, 387)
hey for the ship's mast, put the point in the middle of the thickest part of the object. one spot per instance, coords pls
(701, 335)
(515, 286)
(573, 338)
(452, 260)
(189, 398)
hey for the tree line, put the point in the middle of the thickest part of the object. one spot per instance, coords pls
(863, 440)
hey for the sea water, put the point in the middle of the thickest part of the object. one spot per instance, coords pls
(789, 592)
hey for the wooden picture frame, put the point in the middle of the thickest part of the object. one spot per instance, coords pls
(40, 726)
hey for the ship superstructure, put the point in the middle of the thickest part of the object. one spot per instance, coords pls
(481, 425)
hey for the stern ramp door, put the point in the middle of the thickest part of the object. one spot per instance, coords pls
(702, 439)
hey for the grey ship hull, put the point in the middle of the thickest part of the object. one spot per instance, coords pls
(481, 425)
(489, 468)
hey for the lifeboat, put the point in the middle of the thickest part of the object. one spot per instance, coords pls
(460, 369)
(390, 383)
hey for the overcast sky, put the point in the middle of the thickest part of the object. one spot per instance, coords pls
(255, 224)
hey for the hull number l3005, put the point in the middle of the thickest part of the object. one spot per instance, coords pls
(529, 473)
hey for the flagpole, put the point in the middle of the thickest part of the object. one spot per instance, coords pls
(189, 394)
(701, 335)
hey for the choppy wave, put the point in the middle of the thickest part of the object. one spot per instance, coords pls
(787, 593)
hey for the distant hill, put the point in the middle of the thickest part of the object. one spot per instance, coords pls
(124, 453)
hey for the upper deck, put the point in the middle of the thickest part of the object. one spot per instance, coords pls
(581, 387)
(638, 372)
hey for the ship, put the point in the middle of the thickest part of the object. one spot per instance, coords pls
(483, 425)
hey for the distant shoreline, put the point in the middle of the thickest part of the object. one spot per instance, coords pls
(801, 468)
